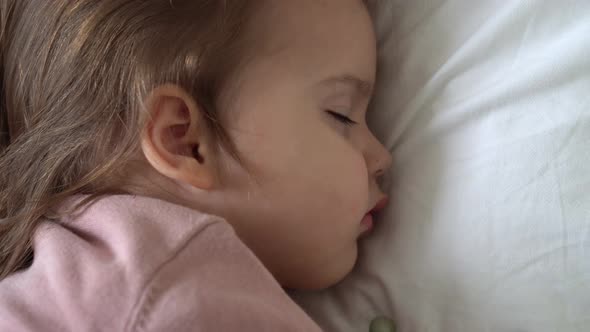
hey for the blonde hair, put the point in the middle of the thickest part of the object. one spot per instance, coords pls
(73, 75)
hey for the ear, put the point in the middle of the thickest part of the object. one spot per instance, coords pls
(174, 139)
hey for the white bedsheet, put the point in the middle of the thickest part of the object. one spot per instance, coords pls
(485, 106)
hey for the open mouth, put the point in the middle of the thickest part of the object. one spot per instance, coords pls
(368, 221)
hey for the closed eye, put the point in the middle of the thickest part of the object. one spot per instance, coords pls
(342, 118)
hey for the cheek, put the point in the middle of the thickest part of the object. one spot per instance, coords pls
(309, 172)
(338, 186)
(318, 189)
(311, 166)
(304, 201)
(336, 173)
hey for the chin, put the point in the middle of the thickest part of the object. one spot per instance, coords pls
(330, 276)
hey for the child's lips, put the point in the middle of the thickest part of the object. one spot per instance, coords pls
(368, 222)
(380, 205)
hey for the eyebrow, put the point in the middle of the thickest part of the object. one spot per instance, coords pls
(364, 88)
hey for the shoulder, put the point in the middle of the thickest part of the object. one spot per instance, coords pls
(215, 283)
(140, 232)
(136, 264)
(93, 266)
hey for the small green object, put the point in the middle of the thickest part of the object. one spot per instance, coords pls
(382, 324)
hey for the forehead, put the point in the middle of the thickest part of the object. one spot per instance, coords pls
(318, 38)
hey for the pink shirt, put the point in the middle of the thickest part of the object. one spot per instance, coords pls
(131, 263)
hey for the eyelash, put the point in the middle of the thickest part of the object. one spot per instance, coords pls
(342, 118)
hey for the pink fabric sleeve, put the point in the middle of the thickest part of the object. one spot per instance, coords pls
(131, 264)
(215, 283)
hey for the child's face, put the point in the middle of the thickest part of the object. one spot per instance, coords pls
(311, 178)
(307, 178)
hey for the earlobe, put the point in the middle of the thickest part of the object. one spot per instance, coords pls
(174, 139)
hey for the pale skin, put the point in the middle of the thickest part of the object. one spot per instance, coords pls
(307, 177)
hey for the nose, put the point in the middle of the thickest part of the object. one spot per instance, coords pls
(378, 158)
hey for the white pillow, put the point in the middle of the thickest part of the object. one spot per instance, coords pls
(485, 106)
